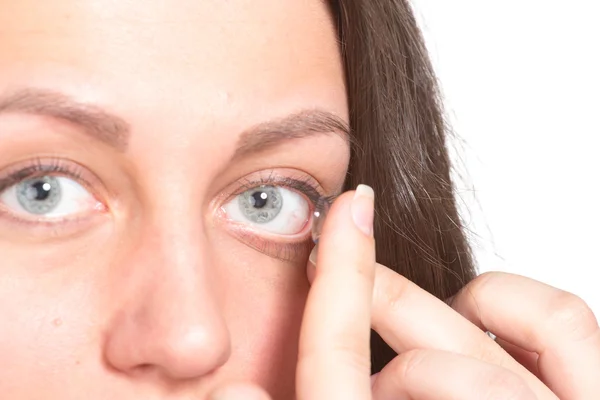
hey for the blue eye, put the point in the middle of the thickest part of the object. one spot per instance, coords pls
(269, 208)
(48, 197)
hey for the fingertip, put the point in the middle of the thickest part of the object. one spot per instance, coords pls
(363, 209)
(345, 216)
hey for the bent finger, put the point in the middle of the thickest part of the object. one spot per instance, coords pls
(433, 374)
(539, 318)
(528, 359)
(407, 318)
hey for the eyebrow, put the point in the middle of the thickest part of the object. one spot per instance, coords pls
(98, 123)
(306, 123)
(115, 131)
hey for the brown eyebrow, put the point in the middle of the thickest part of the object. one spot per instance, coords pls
(98, 123)
(303, 124)
(115, 131)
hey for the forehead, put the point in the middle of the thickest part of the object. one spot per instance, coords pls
(199, 52)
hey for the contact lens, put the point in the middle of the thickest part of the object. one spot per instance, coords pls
(319, 215)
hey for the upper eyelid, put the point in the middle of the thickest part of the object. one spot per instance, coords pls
(298, 185)
(20, 171)
(279, 180)
(293, 179)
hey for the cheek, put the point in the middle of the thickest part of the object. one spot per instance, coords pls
(263, 302)
(47, 325)
(52, 304)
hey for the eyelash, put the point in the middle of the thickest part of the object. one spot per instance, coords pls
(40, 167)
(289, 252)
(305, 185)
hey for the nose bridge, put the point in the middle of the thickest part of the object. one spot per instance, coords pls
(176, 263)
(172, 242)
(171, 320)
(171, 236)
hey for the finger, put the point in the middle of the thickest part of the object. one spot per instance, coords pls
(539, 318)
(526, 358)
(433, 375)
(334, 352)
(407, 317)
(239, 391)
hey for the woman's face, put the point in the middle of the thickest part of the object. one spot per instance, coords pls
(158, 166)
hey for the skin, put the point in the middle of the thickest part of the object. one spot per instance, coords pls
(155, 298)
(548, 344)
(150, 294)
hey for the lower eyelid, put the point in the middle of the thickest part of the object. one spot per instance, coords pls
(289, 252)
(288, 248)
(42, 230)
(97, 208)
(235, 226)
(92, 204)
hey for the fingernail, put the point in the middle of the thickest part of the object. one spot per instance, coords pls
(362, 209)
(313, 256)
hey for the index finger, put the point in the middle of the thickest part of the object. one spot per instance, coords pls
(334, 354)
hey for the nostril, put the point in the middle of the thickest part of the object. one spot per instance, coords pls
(198, 352)
(173, 327)
(142, 369)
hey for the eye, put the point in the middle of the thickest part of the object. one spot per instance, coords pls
(48, 196)
(270, 208)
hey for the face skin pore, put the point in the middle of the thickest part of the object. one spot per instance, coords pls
(147, 280)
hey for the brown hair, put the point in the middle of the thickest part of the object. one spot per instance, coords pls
(399, 148)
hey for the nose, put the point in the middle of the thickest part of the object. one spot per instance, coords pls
(168, 319)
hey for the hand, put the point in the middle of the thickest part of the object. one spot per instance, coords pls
(548, 344)
(444, 352)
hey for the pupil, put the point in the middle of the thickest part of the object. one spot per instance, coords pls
(259, 199)
(40, 191)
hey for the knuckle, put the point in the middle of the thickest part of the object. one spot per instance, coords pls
(352, 353)
(482, 282)
(346, 350)
(406, 363)
(572, 316)
(478, 289)
(395, 299)
(336, 357)
(504, 385)
(392, 296)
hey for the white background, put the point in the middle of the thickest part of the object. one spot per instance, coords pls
(522, 89)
